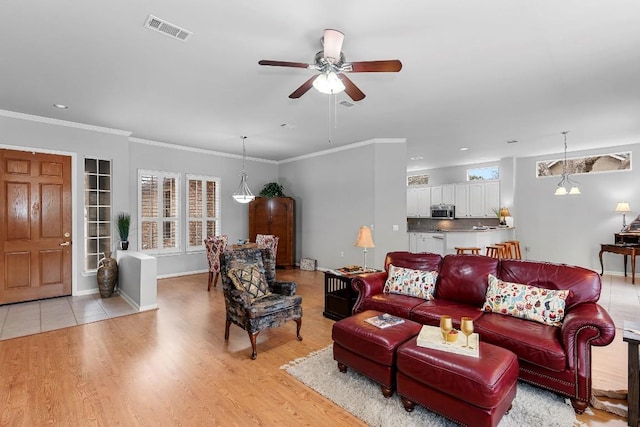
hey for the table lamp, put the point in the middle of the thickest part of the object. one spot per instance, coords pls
(364, 240)
(623, 208)
(504, 213)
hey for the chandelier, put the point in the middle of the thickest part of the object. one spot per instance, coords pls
(242, 193)
(566, 181)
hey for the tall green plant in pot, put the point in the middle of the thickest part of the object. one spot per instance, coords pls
(123, 222)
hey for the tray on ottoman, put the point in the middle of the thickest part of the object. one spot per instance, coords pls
(370, 350)
(468, 390)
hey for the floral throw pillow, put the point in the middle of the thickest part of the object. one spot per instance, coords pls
(415, 283)
(526, 302)
(249, 280)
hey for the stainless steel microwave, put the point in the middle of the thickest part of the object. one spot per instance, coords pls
(443, 211)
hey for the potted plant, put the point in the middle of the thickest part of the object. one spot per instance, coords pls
(272, 189)
(123, 221)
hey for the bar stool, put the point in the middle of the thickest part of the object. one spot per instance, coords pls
(509, 250)
(516, 248)
(493, 251)
(471, 250)
(502, 250)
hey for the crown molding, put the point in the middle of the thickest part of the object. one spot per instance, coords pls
(346, 147)
(58, 122)
(197, 150)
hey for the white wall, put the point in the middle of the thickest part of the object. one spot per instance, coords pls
(338, 191)
(19, 131)
(570, 229)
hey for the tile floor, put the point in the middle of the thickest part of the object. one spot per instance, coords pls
(620, 298)
(28, 318)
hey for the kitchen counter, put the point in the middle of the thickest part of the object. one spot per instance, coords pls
(452, 238)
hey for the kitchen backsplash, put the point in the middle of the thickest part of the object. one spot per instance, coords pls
(429, 224)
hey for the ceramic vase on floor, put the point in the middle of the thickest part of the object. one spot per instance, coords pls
(107, 275)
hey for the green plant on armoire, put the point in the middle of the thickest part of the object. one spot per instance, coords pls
(272, 189)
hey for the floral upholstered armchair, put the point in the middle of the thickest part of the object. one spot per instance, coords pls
(215, 246)
(268, 241)
(254, 299)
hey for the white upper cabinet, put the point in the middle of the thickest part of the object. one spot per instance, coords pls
(448, 194)
(461, 200)
(491, 198)
(475, 199)
(436, 195)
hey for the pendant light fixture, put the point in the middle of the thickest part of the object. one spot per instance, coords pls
(566, 180)
(242, 193)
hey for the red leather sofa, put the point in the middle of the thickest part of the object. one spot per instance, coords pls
(552, 357)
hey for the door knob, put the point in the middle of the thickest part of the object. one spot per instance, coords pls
(65, 244)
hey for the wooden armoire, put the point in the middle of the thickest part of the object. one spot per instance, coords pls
(275, 216)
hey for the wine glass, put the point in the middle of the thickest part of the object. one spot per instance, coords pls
(445, 326)
(466, 326)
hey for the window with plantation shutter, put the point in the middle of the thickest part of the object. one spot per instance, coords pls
(159, 213)
(97, 211)
(203, 210)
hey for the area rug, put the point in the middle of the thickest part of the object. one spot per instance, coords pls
(363, 398)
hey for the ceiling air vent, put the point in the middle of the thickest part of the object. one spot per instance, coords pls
(166, 28)
(347, 104)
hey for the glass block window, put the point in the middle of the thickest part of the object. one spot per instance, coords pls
(203, 210)
(480, 174)
(97, 211)
(159, 198)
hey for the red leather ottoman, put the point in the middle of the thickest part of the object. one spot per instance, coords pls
(370, 350)
(468, 390)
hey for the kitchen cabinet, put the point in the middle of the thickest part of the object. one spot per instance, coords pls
(436, 195)
(275, 216)
(419, 202)
(483, 198)
(426, 242)
(448, 194)
(491, 198)
(461, 200)
(476, 200)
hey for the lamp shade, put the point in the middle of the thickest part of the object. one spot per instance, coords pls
(505, 212)
(622, 207)
(364, 239)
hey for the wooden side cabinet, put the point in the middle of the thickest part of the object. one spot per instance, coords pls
(275, 216)
(339, 296)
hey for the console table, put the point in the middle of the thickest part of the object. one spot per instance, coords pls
(625, 249)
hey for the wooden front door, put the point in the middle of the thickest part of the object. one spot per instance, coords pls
(35, 226)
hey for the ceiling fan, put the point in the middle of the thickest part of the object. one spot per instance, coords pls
(332, 65)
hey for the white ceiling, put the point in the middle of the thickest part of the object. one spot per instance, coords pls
(476, 73)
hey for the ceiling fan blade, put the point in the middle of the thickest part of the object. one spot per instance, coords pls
(303, 89)
(283, 63)
(390, 66)
(351, 89)
(332, 42)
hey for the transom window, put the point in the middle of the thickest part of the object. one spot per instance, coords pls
(479, 174)
(97, 211)
(159, 213)
(203, 210)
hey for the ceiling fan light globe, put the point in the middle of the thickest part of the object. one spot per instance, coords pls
(328, 83)
(574, 190)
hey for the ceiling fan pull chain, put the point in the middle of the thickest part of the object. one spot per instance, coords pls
(329, 128)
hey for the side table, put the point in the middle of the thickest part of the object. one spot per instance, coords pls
(631, 335)
(339, 296)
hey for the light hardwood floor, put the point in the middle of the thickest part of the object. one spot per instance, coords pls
(172, 367)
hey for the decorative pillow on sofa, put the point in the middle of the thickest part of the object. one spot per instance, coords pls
(415, 283)
(249, 280)
(526, 302)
